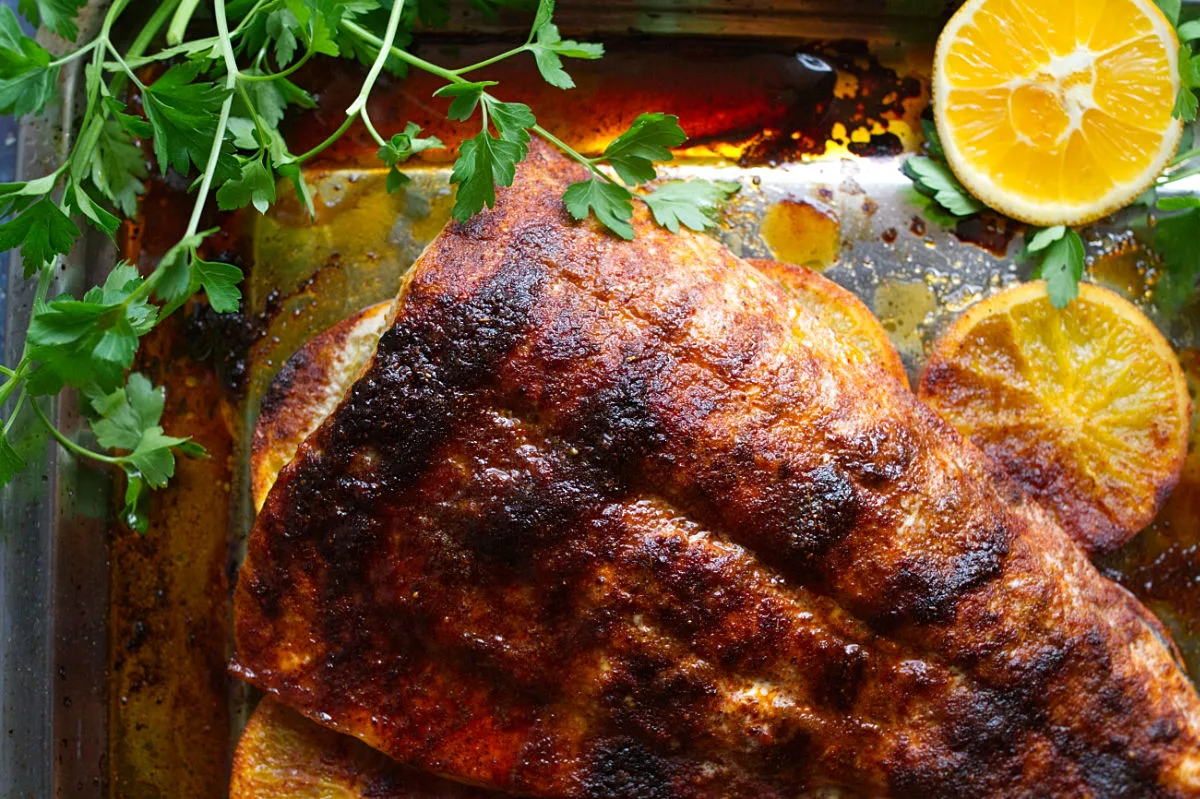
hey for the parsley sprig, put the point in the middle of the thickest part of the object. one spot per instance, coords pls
(1058, 252)
(211, 109)
(1186, 102)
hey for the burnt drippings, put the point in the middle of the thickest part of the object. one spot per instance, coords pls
(762, 102)
(225, 339)
(989, 231)
(858, 93)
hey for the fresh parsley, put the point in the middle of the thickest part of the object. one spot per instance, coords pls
(209, 106)
(1058, 252)
(1061, 260)
(1177, 240)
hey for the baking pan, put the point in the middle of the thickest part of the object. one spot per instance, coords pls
(113, 645)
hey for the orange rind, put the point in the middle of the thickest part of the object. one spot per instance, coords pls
(1087, 407)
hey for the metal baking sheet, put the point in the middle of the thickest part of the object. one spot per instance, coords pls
(113, 646)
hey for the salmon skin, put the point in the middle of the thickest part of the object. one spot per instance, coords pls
(622, 519)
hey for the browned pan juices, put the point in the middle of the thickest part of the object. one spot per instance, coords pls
(172, 705)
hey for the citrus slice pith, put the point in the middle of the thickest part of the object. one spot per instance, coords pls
(1087, 407)
(840, 310)
(1057, 113)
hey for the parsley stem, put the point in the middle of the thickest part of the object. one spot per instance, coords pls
(15, 378)
(214, 155)
(69, 57)
(493, 60)
(590, 163)
(333, 137)
(15, 411)
(151, 29)
(128, 72)
(68, 443)
(408, 58)
(6, 390)
(1172, 178)
(263, 136)
(1179, 159)
(283, 73)
(366, 118)
(385, 46)
(179, 22)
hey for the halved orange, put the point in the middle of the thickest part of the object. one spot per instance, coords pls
(841, 310)
(1057, 113)
(1087, 407)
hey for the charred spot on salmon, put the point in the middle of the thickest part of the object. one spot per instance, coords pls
(521, 505)
(920, 591)
(404, 404)
(617, 424)
(800, 515)
(621, 767)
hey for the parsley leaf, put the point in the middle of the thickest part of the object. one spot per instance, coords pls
(27, 80)
(175, 279)
(543, 15)
(292, 171)
(316, 22)
(1189, 31)
(484, 162)
(282, 27)
(1186, 102)
(1178, 203)
(136, 511)
(42, 231)
(254, 185)
(633, 153)
(611, 203)
(464, 98)
(27, 92)
(432, 13)
(56, 15)
(1044, 238)
(934, 179)
(183, 112)
(549, 49)
(119, 167)
(400, 148)
(1170, 9)
(512, 120)
(933, 140)
(692, 203)
(78, 201)
(1176, 243)
(1062, 268)
(11, 461)
(89, 342)
(220, 282)
(130, 420)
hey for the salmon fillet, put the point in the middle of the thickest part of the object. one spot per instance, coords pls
(622, 519)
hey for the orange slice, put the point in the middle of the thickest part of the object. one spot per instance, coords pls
(1087, 407)
(841, 310)
(282, 755)
(1057, 113)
